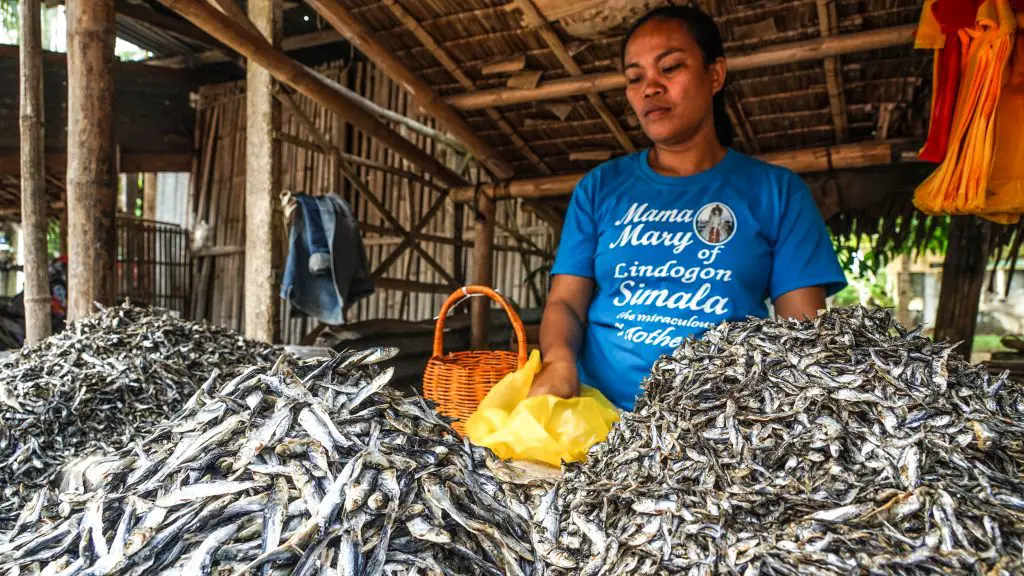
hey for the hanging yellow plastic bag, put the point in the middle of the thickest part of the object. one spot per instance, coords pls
(545, 428)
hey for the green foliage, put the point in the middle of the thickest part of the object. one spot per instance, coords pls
(866, 254)
(9, 19)
(987, 343)
(53, 239)
(869, 291)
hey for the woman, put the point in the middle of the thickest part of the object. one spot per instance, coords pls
(638, 269)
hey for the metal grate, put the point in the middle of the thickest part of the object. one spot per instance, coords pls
(153, 264)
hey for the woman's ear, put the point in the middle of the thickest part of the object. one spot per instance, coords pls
(718, 73)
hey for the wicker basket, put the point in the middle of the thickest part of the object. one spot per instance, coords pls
(458, 381)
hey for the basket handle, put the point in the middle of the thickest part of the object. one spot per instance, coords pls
(465, 292)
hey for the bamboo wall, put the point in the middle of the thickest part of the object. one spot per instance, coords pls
(218, 192)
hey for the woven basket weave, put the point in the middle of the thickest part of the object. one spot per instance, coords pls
(458, 381)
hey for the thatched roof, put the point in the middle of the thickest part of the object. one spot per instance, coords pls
(773, 109)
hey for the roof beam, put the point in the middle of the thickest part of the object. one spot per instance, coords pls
(537, 21)
(421, 92)
(256, 48)
(848, 156)
(455, 70)
(738, 117)
(289, 44)
(828, 21)
(776, 55)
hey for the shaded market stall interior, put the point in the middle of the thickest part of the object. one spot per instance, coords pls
(455, 131)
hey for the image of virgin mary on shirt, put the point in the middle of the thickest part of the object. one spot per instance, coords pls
(715, 223)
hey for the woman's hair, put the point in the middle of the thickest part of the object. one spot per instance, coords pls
(705, 33)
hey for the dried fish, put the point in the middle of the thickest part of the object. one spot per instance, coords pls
(846, 444)
(294, 488)
(100, 384)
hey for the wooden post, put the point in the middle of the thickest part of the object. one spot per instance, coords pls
(149, 192)
(258, 50)
(963, 273)
(91, 177)
(262, 180)
(458, 253)
(483, 255)
(33, 177)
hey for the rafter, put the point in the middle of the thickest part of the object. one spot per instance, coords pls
(536, 20)
(776, 55)
(422, 93)
(289, 44)
(256, 48)
(828, 21)
(455, 70)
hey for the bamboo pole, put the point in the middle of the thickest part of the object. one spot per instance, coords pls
(538, 22)
(847, 156)
(816, 49)
(91, 176)
(149, 192)
(290, 72)
(327, 148)
(33, 176)
(262, 179)
(391, 116)
(422, 93)
(483, 258)
(442, 56)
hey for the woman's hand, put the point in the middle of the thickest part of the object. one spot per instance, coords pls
(561, 332)
(558, 378)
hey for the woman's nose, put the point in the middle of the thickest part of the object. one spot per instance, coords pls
(653, 87)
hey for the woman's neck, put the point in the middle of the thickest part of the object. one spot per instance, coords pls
(696, 155)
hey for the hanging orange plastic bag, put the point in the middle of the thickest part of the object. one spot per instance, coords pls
(959, 184)
(545, 428)
(1006, 185)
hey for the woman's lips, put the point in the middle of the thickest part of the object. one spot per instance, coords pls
(656, 112)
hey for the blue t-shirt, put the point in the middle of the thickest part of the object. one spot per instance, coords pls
(673, 256)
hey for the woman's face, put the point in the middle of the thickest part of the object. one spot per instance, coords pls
(667, 82)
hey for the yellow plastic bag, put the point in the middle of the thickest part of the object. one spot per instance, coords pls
(545, 428)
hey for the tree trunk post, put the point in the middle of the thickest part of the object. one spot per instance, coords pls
(483, 257)
(34, 207)
(963, 274)
(262, 180)
(91, 176)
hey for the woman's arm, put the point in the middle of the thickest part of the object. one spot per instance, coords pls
(561, 333)
(800, 304)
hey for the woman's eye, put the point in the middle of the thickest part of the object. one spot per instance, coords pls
(670, 68)
(632, 80)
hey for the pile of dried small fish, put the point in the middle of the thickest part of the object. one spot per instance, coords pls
(846, 445)
(100, 383)
(296, 471)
